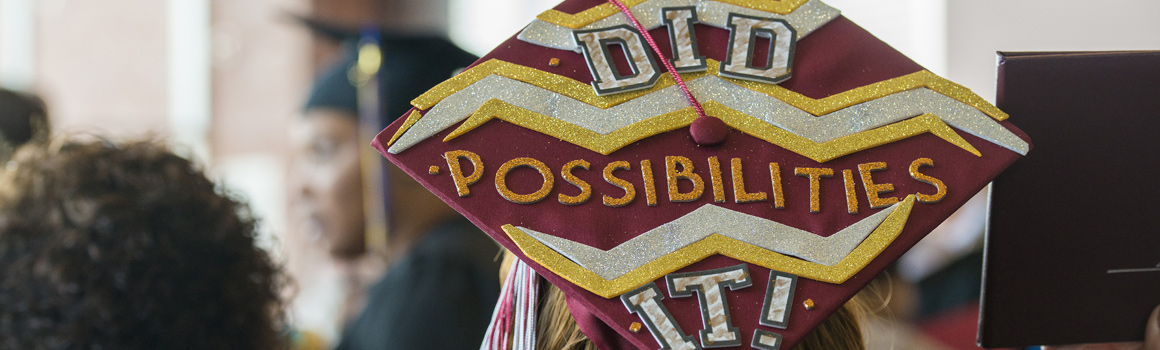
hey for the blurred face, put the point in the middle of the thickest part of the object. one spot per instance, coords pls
(328, 196)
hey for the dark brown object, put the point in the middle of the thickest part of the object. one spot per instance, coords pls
(22, 120)
(128, 246)
(1073, 242)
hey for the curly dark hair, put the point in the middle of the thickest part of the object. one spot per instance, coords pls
(128, 246)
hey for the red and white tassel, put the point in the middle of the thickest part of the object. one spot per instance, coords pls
(515, 312)
(526, 293)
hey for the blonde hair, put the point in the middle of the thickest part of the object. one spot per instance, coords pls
(841, 331)
(556, 329)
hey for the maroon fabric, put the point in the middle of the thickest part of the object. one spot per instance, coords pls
(838, 57)
(603, 336)
(963, 173)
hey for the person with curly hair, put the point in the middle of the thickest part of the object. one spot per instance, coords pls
(129, 246)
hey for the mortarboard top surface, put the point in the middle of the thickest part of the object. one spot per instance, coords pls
(842, 153)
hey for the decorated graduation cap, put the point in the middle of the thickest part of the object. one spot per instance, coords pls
(728, 176)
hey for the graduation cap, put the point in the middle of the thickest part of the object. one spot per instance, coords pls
(720, 173)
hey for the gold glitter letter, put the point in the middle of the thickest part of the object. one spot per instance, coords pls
(461, 180)
(815, 175)
(650, 185)
(851, 196)
(685, 173)
(938, 184)
(501, 180)
(585, 188)
(629, 190)
(874, 190)
(739, 194)
(778, 195)
(715, 177)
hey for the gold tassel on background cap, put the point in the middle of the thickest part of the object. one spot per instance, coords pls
(365, 77)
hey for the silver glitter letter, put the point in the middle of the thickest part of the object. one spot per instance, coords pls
(766, 340)
(743, 42)
(608, 80)
(778, 297)
(686, 57)
(646, 303)
(709, 286)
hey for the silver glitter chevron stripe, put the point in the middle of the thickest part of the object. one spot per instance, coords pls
(705, 221)
(805, 19)
(848, 121)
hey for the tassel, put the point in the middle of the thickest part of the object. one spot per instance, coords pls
(515, 312)
(495, 338)
(527, 287)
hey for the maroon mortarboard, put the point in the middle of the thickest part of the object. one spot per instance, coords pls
(727, 178)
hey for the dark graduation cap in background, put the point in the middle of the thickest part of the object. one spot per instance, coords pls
(417, 62)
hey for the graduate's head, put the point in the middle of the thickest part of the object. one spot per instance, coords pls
(733, 185)
(556, 329)
(328, 195)
(331, 169)
(109, 245)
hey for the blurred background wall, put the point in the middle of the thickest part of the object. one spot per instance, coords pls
(224, 78)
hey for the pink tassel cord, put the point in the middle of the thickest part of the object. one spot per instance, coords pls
(513, 323)
(656, 49)
(496, 335)
(526, 299)
(705, 130)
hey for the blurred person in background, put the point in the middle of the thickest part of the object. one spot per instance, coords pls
(127, 246)
(435, 271)
(23, 119)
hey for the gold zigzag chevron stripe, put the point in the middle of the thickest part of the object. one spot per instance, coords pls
(584, 92)
(407, 124)
(602, 11)
(606, 144)
(716, 244)
(603, 144)
(826, 151)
